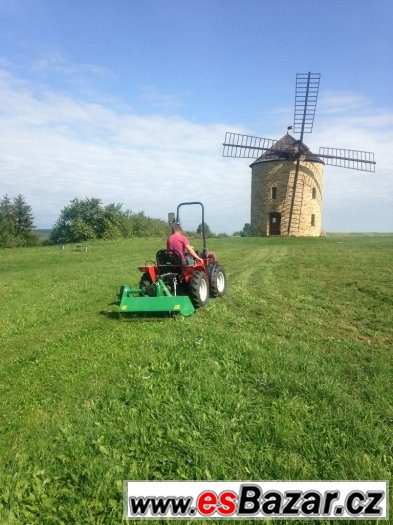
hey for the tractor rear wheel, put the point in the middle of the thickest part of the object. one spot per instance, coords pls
(218, 283)
(198, 287)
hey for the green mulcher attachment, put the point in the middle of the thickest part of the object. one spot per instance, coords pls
(136, 300)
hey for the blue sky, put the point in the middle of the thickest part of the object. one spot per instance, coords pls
(129, 101)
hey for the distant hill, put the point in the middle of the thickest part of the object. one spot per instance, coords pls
(43, 233)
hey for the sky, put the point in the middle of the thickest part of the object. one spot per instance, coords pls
(129, 101)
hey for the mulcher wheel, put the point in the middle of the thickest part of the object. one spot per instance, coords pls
(198, 287)
(218, 283)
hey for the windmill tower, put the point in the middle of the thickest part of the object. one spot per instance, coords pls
(273, 176)
(287, 178)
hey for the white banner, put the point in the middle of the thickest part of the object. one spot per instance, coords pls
(256, 499)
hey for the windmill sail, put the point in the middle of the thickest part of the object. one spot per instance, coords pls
(245, 146)
(348, 158)
(306, 96)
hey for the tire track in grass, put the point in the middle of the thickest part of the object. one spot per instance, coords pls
(252, 288)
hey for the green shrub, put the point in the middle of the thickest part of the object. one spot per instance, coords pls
(86, 219)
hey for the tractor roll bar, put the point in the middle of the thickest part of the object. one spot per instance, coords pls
(203, 221)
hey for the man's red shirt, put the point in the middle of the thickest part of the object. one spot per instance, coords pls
(178, 242)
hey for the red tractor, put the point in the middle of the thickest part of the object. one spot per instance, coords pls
(171, 285)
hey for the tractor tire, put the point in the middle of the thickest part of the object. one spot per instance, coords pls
(218, 283)
(145, 285)
(198, 289)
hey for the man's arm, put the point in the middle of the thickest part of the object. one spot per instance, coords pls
(192, 252)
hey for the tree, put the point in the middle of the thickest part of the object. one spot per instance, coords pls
(246, 231)
(16, 223)
(23, 216)
(80, 230)
(80, 220)
(144, 226)
(116, 223)
(6, 207)
(208, 231)
(6, 222)
(86, 219)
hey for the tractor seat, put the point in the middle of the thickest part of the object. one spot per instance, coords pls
(169, 261)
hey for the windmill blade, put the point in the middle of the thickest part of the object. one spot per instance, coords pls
(348, 158)
(245, 146)
(306, 96)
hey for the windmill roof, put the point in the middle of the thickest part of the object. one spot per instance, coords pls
(286, 149)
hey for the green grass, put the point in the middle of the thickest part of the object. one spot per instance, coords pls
(287, 377)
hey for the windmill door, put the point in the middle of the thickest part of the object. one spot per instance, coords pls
(274, 223)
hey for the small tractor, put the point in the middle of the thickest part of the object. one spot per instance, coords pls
(171, 285)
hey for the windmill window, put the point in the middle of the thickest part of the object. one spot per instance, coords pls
(274, 192)
(313, 219)
(314, 193)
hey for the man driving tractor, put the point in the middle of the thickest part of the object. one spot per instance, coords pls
(177, 241)
(167, 285)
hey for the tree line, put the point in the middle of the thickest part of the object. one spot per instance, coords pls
(16, 223)
(82, 220)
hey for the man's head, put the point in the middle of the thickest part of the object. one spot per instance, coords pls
(176, 227)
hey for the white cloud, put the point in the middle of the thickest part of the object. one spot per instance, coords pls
(353, 200)
(160, 101)
(56, 63)
(339, 102)
(54, 147)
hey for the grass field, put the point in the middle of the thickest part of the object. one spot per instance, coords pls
(287, 377)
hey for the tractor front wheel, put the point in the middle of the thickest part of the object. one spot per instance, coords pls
(146, 285)
(218, 283)
(198, 287)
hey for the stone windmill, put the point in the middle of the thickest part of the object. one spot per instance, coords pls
(286, 186)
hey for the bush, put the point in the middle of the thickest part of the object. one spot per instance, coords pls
(86, 219)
